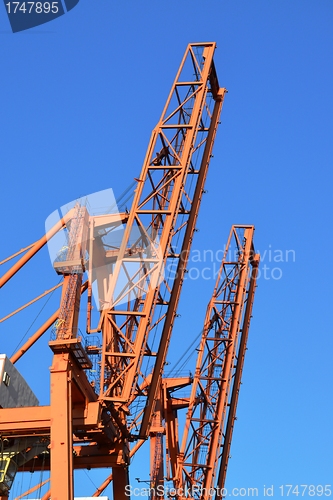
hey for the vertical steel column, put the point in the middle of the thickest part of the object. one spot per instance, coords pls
(120, 482)
(61, 429)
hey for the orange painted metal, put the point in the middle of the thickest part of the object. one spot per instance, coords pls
(25, 421)
(182, 265)
(16, 254)
(31, 302)
(109, 479)
(138, 318)
(31, 490)
(157, 448)
(212, 405)
(47, 495)
(33, 339)
(237, 377)
(34, 248)
(40, 332)
(103, 486)
(165, 205)
(61, 446)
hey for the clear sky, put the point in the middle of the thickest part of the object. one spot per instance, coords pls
(79, 98)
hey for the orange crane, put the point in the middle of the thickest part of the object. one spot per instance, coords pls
(94, 424)
(199, 462)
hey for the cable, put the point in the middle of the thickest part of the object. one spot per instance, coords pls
(92, 482)
(26, 333)
(41, 476)
(195, 342)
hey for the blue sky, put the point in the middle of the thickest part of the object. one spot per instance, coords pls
(79, 97)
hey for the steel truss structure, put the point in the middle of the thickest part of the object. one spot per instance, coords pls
(136, 261)
(201, 462)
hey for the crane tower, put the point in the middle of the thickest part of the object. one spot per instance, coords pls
(102, 423)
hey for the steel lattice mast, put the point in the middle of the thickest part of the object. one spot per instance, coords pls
(161, 222)
(201, 462)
